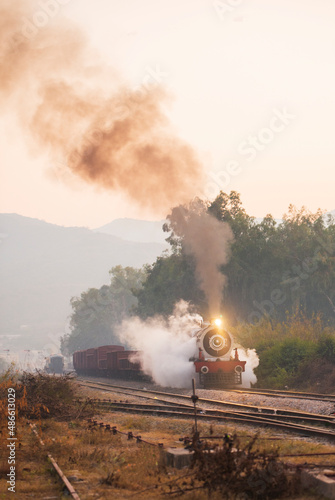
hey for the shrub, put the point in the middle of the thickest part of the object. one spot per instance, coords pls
(326, 347)
(39, 395)
(281, 361)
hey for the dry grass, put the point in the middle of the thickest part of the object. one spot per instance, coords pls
(110, 466)
(105, 466)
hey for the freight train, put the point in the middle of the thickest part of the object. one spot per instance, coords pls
(213, 359)
(54, 364)
(107, 361)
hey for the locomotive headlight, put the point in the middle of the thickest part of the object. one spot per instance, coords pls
(218, 322)
(217, 342)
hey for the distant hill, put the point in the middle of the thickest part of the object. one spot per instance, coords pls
(148, 231)
(44, 265)
(136, 230)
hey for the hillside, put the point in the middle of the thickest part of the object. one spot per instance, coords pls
(44, 265)
(135, 230)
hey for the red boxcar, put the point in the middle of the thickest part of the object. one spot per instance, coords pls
(119, 364)
(126, 363)
(107, 360)
(91, 360)
(103, 352)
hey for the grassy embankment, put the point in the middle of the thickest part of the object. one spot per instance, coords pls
(298, 353)
(102, 465)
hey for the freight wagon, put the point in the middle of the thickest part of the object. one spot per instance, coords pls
(107, 361)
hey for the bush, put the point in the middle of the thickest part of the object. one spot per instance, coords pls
(39, 395)
(237, 471)
(315, 375)
(279, 362)
(326, 347)
(285, 349)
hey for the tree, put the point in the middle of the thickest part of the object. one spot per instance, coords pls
(97, 312)
(169, 279)
(274, 268)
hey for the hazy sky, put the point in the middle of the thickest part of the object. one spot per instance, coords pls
(253, 84)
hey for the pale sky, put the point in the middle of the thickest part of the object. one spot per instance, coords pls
(253, 84)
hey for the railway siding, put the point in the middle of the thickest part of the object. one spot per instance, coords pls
(321, 407)
(301, 423)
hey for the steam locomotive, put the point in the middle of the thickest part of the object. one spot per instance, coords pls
(213, 361)
(54, 364)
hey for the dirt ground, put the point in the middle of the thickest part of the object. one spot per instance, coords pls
(101, 465)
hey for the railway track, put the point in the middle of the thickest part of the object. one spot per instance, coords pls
(145, 393)
(307, 424)
(58, 470)
(287, 394)
(314, 396)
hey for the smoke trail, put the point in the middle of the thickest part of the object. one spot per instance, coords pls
(81, 112)
(209, 241)
(165, 345)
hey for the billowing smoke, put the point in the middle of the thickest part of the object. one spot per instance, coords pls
(250, 356)
(209, 241)
(165, 344)
(79, 110)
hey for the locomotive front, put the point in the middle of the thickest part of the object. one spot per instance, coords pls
(215, 364)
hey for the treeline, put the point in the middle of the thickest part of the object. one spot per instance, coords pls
(276, 272)
(274, 269)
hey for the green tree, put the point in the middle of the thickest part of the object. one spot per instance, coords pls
(308, 246)
(169, 279)
(97, 312)
(274, 270)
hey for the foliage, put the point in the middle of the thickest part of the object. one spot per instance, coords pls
(169, 280)
(286, 349)
(269, 331)
(38, 395)
(326, 347)
(274, 269)
(48, 394)
(282, 360)
(279, 297)
(97, 311)
(317, 375)
(234, 470)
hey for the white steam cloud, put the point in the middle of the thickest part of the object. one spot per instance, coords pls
(250, 356)
(165, 345)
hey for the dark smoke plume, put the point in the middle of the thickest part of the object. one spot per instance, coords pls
(80, 111)
(209, 241)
